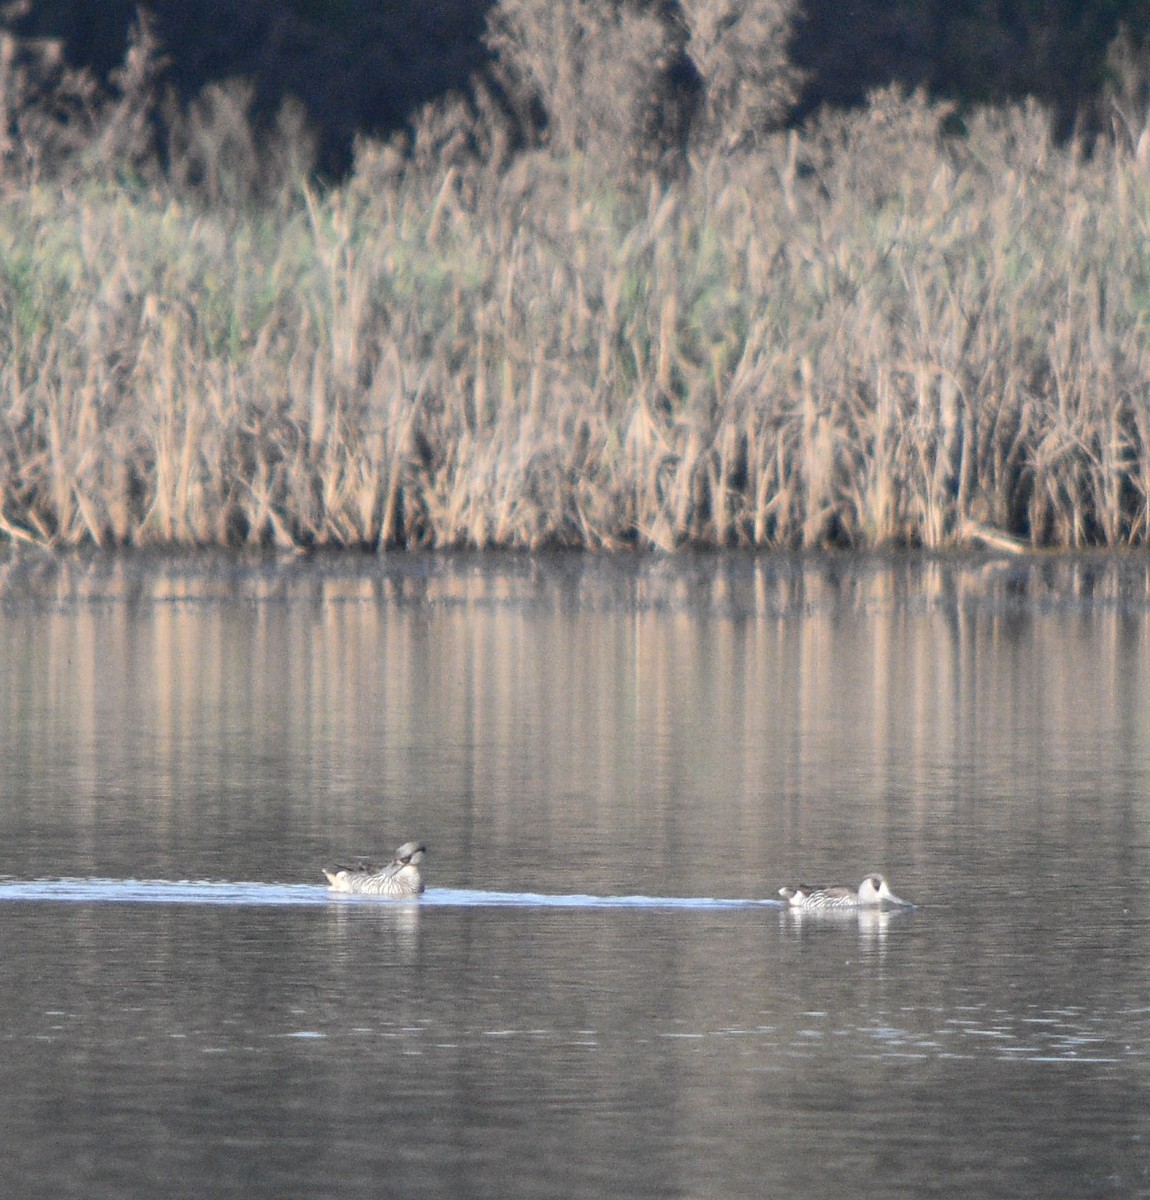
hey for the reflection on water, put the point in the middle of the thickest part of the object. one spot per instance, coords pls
(587, 713)
(615, 763)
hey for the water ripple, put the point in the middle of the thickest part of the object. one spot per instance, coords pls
(204, 891)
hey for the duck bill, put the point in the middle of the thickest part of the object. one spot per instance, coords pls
(896, 901)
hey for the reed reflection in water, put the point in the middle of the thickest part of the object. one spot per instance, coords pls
(618, 725)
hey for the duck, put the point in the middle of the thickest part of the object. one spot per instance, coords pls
(873, 892)
(401, 878)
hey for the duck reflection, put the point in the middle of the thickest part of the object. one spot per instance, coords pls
(397, 923)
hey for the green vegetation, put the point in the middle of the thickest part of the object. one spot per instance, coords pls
(861, 332)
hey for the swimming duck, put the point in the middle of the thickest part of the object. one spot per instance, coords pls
(873, 892)
(401, 877)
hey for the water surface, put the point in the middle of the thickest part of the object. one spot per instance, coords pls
(615, 763)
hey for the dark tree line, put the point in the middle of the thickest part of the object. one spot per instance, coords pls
(972, 51)
(365, 65)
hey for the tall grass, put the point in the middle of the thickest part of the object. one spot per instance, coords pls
(859, 333)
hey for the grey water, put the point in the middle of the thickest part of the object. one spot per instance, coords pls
(615, 763)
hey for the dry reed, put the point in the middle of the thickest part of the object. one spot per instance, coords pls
(861, 333)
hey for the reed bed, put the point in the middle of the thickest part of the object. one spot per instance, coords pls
(861, 333)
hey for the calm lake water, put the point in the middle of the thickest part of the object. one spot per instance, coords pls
(598, 752)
